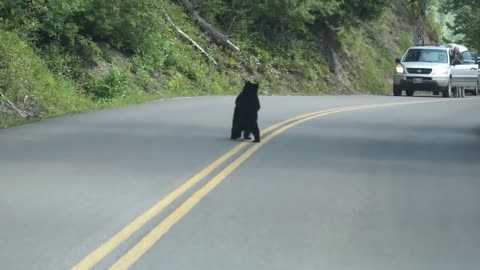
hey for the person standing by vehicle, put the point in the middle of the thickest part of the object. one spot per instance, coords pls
(456, 58)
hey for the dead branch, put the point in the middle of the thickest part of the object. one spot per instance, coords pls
(12, 106)
(217, 36)
(230, 27)
(188, 38)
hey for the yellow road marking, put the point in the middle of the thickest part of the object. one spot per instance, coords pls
(153, 236)
(103, 250)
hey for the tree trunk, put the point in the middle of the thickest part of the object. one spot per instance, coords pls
(331, 43)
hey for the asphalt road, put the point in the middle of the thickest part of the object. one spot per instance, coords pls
(379, 188)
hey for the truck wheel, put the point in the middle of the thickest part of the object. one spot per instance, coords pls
(436, 93)
(397, 91)
(410, 93)
(447, 91)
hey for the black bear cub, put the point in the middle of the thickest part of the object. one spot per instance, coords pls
(245, 115)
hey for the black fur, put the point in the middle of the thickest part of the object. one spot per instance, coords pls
(245, 115)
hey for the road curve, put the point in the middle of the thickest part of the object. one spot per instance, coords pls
(381, 188)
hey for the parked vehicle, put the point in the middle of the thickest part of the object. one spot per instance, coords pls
(428, 68)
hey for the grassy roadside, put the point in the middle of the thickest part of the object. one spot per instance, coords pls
(52, 80)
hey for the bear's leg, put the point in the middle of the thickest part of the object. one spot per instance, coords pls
(256, 134)
(246, 134)
(235, 134)
(236, 131)
(252, 126)
(255, 130)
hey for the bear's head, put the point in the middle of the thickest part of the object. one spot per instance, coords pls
(251, 87)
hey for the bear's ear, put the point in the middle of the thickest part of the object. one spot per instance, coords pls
(247, 85)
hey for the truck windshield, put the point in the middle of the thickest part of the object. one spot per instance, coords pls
(426, 55)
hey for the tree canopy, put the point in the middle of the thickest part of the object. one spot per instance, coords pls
(466, 21)
(127, 24)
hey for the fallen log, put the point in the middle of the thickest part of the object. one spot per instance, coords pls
(12, 106)
(216, 35)
(189, 38)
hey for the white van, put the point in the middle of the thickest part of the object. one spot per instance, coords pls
(429, 68)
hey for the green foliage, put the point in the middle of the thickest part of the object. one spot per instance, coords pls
(124, 24)
(23, 73)
(405, 41)
(364, 10)
(433, 29)
(45, 21)
(84, 54)
(372, 68)
(278, 17)
(467, 20)
(75, 23)
(115, 84)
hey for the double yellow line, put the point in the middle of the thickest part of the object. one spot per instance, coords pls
(139, 249)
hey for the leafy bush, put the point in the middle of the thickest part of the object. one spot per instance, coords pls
(23, 73)
(115, 84)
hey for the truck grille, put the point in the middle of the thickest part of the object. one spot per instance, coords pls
(423, 78)
(419, 70)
